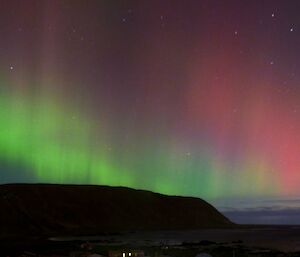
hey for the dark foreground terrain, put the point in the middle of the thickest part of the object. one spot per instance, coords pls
(44, 210)
(70, 220)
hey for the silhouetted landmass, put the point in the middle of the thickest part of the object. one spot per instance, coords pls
(43, 210)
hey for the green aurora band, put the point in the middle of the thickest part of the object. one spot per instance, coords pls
(59, 145)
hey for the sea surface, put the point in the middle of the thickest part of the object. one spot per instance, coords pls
(284, 238)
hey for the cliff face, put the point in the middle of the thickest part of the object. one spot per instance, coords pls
(41, 209)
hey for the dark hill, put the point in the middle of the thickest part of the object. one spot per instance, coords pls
(41, 209)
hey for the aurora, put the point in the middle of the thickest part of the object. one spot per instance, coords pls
(60, 145)
(195, 99)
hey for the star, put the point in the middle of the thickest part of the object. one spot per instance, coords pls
(235, 33)
(11, 67)
(273, 15)
(291, 29)
(271, 62)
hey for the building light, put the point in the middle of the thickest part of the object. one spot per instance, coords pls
(124, 254)
(129, 254)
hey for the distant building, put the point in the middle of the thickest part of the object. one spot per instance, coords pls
(126, 253)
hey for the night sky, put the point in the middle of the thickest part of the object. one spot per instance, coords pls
(182, 97)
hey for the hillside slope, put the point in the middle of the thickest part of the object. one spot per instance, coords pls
(42, 209)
